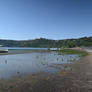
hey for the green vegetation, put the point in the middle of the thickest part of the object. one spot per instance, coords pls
(48, 43)
(70, 51)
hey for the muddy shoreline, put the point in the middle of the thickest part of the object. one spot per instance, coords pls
(65, 81)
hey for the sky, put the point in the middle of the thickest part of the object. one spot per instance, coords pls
(52, 19)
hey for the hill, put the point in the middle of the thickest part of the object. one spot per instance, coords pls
(42, 42)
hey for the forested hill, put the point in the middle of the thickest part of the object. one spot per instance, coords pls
(42, 42)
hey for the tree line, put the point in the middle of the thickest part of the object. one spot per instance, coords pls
(48, 43)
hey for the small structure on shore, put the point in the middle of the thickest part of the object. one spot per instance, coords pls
(52, 49)
(1, 45)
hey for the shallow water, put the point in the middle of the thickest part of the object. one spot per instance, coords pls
(34, 62)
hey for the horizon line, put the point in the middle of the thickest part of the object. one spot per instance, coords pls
(43, 38)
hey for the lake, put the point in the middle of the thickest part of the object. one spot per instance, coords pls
(20, 63)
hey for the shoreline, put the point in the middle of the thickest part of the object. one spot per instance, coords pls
(76, 80)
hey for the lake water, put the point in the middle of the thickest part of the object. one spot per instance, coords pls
(32, 62)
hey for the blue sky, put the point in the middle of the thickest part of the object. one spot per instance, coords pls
(53, 19)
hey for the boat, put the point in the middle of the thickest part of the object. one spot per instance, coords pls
(3, 51)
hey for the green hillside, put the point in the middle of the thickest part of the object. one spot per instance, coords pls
(42, 42)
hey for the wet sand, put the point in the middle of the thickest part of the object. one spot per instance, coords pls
(78, 79)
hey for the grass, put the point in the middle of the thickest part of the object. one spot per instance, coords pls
(70, 51)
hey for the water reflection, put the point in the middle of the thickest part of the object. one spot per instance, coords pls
(5, 61)
(20, 64)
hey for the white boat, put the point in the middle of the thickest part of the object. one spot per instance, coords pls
(3, 50)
